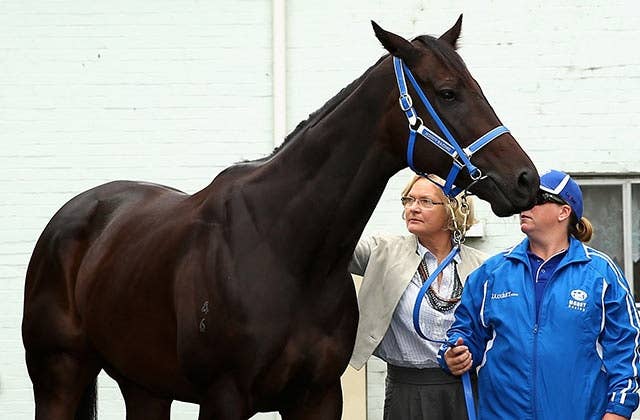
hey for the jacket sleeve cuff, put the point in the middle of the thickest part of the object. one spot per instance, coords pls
(619, 409)
(440, 358)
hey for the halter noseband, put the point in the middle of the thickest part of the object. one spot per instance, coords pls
(461, 157)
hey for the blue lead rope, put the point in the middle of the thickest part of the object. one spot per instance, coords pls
(466, 379)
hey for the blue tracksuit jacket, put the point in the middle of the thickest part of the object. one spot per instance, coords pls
(575, 358)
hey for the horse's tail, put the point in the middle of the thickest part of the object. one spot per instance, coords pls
(87, 408)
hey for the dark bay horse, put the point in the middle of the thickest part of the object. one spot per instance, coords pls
(237, 297)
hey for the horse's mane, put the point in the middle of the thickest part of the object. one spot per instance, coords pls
(447, 55)
(329, 106)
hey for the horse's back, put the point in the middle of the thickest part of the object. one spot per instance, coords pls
(86, 215)
(89, 212)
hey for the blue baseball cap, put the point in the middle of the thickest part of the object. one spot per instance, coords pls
(560, 184)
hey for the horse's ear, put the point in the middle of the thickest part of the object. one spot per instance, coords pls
(395, 44)
(452, 35)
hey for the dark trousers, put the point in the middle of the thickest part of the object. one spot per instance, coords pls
(424, 394)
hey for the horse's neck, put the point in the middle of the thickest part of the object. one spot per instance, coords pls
(318, 192)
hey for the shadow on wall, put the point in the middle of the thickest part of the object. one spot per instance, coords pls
(636, 280)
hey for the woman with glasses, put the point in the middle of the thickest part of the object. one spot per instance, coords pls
(550, 325)
(394, 269)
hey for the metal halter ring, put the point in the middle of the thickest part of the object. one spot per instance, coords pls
(417, 124)
(475, 175)
(464, 206)
(458, 236)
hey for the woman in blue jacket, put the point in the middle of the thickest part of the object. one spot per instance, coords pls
(550, 324)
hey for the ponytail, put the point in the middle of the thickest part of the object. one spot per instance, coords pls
(581, 229)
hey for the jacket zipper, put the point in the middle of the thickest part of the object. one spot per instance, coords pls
(536, 327)
(535, 356)
(535, 369)
(535, 338)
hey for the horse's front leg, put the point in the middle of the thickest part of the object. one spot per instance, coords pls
(223, 401)
(324, 404)
(141, 404)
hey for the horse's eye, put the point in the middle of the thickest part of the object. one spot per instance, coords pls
(447, 94)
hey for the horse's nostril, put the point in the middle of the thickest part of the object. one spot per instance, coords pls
(526, 180)
(528, 184)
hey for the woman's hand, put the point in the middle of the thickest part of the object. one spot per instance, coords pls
(458, 358)
(611, 416)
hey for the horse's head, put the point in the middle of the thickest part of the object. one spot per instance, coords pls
(506, 176)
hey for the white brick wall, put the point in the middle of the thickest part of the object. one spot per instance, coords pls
(174, 91)
(164, 91)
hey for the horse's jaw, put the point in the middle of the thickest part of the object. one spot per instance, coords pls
(504, 201)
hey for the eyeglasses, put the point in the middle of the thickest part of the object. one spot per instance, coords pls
(545, 197)
(423, 203)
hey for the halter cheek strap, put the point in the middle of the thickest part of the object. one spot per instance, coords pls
(461, 156)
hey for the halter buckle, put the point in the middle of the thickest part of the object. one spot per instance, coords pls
(406, 103)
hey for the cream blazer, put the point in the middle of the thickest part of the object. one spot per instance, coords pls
(387, 265)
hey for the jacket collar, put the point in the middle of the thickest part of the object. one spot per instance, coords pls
(576, 253)
(421, 250)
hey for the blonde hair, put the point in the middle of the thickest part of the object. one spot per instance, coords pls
(453, 205)
(581, 229)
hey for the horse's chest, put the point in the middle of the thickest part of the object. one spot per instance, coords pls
(309, 358)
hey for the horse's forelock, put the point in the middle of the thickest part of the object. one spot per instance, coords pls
(443, 52)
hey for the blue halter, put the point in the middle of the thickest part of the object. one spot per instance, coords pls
(461, 157)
